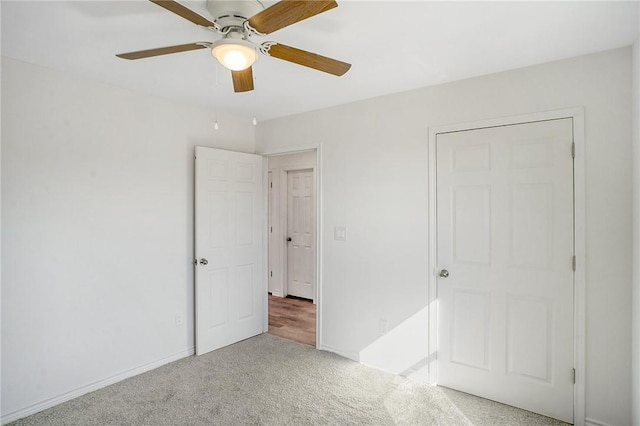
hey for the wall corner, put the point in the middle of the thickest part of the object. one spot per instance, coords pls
(636, 234)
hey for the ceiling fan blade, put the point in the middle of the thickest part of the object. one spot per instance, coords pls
(242, 80)
(186, 13)
(161, 51)
(308, 59)
(288, 12)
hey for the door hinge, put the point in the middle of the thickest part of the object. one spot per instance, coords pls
(573, 150)
(271, 229)
(573, 263)
(271, 184)
(271, 273)
(573, 375)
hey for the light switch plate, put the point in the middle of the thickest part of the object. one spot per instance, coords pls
(340, 233)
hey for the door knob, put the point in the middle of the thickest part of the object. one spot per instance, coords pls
(444, 273)
(288, 239)
(204, 261)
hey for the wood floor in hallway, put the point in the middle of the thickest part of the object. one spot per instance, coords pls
(293, 319)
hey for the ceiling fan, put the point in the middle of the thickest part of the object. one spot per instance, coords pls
(237, 21)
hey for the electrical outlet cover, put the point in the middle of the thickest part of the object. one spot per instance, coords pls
(340, 233)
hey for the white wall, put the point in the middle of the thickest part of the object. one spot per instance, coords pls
(636, 234)
(1, 409)
(278, 164)
(97, 221)
(374, 156)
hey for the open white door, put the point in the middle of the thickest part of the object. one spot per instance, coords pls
(229, 227)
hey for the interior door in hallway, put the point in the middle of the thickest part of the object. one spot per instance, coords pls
(229, 228)
(300, 234)
(505, 253)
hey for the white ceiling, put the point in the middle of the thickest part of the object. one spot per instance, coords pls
(394, 46)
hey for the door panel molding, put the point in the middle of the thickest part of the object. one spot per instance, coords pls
(577, 116)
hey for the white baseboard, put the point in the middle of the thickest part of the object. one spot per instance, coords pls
(591, 422)
(351, 355)
(51, 402)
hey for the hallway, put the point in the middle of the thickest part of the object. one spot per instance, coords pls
(293, 319)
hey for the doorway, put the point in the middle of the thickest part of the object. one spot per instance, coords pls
(232, 245)
(292, 259)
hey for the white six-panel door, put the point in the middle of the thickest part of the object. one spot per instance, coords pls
(505, 236)
(229, 224)
(301, 230)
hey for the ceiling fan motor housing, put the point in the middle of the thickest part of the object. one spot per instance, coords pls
(233, 13)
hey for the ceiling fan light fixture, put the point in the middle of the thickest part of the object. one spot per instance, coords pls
(234, 54)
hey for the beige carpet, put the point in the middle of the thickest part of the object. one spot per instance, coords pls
(271, 381)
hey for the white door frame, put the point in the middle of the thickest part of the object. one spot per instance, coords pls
(577, 115)
(318, 187)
